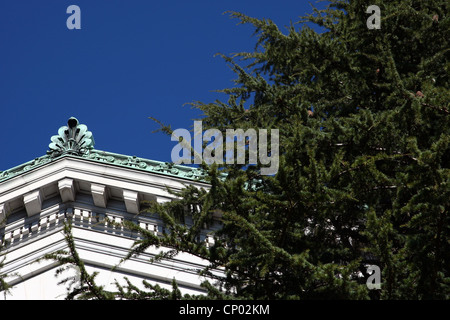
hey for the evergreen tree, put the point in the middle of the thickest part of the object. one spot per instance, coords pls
(364, 174)
(4, 287)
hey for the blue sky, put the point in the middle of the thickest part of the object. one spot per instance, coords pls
(130, 60)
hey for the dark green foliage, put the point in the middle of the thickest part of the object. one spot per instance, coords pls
(364, 178)
(4, 287)
(364, 174)
(82, 285)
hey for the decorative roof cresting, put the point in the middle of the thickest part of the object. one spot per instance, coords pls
(72, 139)
(75, 140)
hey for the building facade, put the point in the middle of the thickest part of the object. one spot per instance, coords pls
(76, 183)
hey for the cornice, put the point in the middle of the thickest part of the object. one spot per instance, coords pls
(98, 156)
(93, 172)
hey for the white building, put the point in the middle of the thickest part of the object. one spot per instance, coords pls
(74, 180)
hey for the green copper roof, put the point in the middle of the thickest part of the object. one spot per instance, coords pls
(75, 140)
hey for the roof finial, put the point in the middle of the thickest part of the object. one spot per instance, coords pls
(71, 139)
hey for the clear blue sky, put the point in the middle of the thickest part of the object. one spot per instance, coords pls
(130, 60)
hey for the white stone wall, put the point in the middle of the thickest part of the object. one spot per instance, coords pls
(39, 202)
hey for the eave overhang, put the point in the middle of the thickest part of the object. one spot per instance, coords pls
(66, 173)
